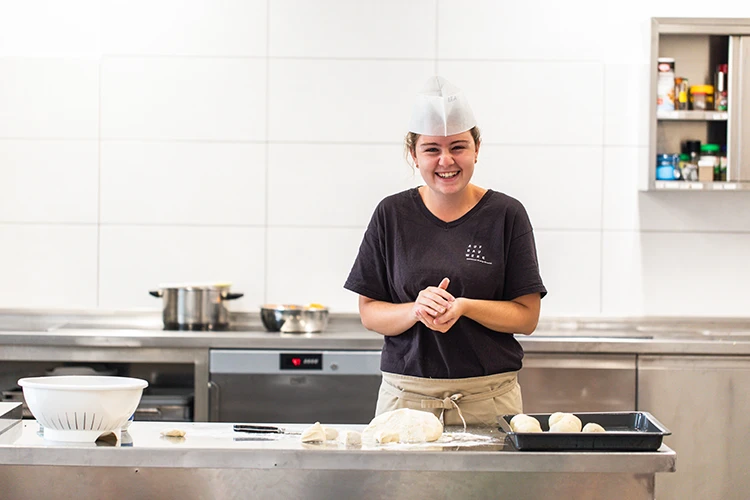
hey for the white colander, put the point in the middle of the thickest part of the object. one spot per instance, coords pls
(80, 408)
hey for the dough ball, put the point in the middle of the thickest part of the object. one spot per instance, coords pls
(349, 438)
(314, 434)
(555, 417)
(173, 433)
(404, 426)
(568, 423)
(331, 433)
(593, 427)
(532, 425)
(521, 417)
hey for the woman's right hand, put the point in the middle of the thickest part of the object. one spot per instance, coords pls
(432, 301)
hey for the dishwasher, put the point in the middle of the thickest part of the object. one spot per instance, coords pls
(293, 386)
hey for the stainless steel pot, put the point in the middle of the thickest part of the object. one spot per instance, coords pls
(289, 318)
(195, 306)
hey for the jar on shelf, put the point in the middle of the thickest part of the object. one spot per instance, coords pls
(709, 166)
(688, 167)
(667, 168)
(702, 97)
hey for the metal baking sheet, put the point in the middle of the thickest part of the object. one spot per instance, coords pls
(626, 431)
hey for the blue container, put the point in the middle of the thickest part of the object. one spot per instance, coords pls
(667, 167)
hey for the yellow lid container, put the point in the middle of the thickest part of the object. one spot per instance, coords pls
(702, 89)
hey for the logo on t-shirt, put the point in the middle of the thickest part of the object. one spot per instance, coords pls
(476, 254)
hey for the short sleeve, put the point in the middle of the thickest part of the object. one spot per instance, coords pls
(369, 276)
(522, 275)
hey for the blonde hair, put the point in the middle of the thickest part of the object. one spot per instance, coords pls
(410, 143)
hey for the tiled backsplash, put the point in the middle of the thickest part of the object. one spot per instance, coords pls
(249, 141)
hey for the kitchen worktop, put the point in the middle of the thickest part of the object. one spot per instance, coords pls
(133, 330)
(216, 445)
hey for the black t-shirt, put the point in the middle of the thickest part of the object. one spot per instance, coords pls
(489, 253)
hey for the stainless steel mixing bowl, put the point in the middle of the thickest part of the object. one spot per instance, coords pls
(291, 318)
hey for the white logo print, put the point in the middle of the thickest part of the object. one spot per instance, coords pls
(474, 252)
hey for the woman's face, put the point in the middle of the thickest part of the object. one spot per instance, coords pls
(446, 163)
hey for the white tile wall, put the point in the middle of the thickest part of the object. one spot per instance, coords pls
(569, 262)
(535, 103)
(250, 140)
(342, 101)
(180, 27)
(311, 265)
(49, 98)
(675, 274)
(49, 28)
(48, 266)
(333, 184)
(183, 98)
(335, 28)
(559, 186)
(136, 259)
(48, 181)
(183, 183)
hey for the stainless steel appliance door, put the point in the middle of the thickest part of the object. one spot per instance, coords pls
(293, 386)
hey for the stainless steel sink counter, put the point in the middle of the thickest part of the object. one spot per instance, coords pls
(212, 461)
(144, 330)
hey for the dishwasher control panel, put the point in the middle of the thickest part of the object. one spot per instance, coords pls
(300, 361)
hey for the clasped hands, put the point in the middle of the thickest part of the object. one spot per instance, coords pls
(436, 308)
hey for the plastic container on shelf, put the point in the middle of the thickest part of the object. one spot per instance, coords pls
(702, 97)
(709, 159)
(665, 97)
(667, 168)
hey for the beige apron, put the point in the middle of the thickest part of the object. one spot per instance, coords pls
(477, 400)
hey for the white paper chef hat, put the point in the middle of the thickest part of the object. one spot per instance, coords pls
(441, 110)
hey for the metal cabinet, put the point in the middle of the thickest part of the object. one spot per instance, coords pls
(578, 382)
(704, 402)
(698, 47)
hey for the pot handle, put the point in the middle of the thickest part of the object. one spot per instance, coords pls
(156, 293)
(232, 296)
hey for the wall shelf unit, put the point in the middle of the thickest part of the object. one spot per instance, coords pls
(698, 46)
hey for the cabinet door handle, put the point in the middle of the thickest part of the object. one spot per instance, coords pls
(214, 399)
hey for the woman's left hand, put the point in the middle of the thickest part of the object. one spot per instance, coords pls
(443, 322)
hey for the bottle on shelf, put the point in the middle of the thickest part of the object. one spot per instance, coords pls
(720, 88)
(709, 167)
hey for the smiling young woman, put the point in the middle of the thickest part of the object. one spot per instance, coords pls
(448, 272)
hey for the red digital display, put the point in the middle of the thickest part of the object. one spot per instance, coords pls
(301, 361)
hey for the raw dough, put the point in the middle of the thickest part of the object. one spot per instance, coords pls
(349, 438)
(567, 423)
(314, 434)
(404, 426)
(523, 420)
(173, 433)
(528, 426)
(555, 417)
(331, 433)
(593, 427)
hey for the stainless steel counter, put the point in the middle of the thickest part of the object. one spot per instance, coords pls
(144, 330)
(212, 458)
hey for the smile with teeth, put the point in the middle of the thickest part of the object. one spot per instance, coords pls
(446, 175)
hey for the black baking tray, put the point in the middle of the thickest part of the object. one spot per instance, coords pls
(626, 431)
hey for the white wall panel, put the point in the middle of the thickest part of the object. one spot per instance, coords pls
(532, 30)
(49, 98)
(183, 98)
(675, 274)
(341, 28)
(561, 187)
(180, 27)
(569, 262)
(49, 28)
(183, 183)
(49, 181)
(136, 259)
(626, 104)
(343, 101)
(333, 184)
(48, 266)
(311, 265)
(533, 102)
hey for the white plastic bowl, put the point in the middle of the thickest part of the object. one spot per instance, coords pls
(80, 408)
